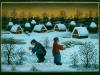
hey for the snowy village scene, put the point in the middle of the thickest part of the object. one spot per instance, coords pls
(49, 37)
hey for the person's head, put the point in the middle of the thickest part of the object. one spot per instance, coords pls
(56, 39)
(33, 42)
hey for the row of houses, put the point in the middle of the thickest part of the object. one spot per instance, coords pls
(78, 32)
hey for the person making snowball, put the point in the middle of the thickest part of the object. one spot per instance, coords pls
(39, 49)
(56, 52)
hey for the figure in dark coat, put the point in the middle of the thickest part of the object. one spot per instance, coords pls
(39, 49)
(56, 51)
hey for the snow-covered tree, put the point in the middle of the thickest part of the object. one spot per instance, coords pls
(88, 54)
(8, 49)
(20, 56)
(74, 58)
(46, 42)
(13, 67)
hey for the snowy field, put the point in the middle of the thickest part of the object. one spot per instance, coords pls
(48, 65)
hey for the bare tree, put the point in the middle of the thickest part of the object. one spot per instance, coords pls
(62, 14)
(87, 15)
(45, 15)
(5, 14)
(52, 16)
(29, 15)
(96, 14)
(90, 14)
(8, 50)
(88, 53)
(14, 13)
(22, 15)
(78, 14)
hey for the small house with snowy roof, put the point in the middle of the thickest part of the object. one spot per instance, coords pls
(33, 23)
(93, 27)
(40, 28)
(10, 24)
(49, 25)
(80, 32)
(60, 27)
(16, 29)
(27, 27)
(72, 25)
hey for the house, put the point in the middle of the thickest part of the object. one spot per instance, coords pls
(93, 27)
(39, 28)
(33, 23)
(49, 25)
(16, 29)
(60, 27)
(27, 27)
(72, 25)
(10, 24)
(80, 32)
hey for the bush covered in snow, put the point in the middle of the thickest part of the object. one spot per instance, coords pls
(88, 54)
(46, 42)
(74, 58)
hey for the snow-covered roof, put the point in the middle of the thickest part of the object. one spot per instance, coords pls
(10, 23)
(72, 23)
(48, 24)
(38, 27)
(93, 25)
(60, 26)
(33, 22)
(14, 28)
(82, 31)
(27, 25)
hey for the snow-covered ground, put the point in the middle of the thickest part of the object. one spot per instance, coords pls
(48, 65)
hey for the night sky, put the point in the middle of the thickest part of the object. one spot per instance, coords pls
(50, 8)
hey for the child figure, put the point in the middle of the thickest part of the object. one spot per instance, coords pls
(39, 49)
(56, 51)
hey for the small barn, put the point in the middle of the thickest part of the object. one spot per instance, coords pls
(27, 27)
(72, 25)
(10, 24)
(33, 23)
(49, 25)
(80, 32)
(93, 27)
(16, 29)
(40, 28)
(60, 27)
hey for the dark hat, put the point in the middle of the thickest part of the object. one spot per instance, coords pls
(55, 39)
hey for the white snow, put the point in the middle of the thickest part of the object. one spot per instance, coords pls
(93, 25)
(82, 31)
(72, 23)
(47, 65)
(33, 22)
(14, 28)
(27, 25)
(10, 23)
(48, 24)
(38, 27)
(60, 26)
